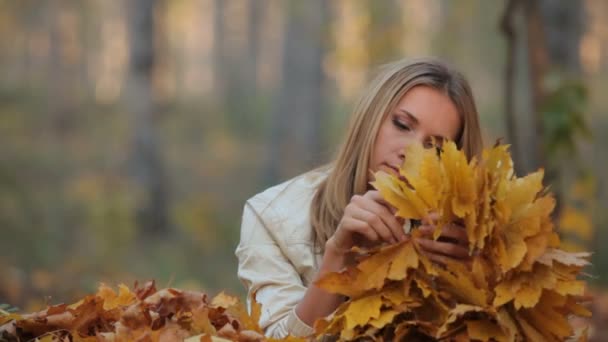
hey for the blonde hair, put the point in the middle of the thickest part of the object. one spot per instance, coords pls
(349, 170)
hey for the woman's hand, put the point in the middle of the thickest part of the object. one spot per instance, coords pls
(367, 219)
(452, 243)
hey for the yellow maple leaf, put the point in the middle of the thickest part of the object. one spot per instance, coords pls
(525, 288)
(371, 273)
(400, 196)
(362, 310)
(424, 173)
(458, 281)
(522, 191)
(462, 183)
(384, 319)
(405, 258)
(112, 300)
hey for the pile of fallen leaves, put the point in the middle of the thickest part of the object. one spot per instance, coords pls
(144, 314)
(519, 285)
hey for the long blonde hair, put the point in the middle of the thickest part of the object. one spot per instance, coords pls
(349, 170)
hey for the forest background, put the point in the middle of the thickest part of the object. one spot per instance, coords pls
(132, 132)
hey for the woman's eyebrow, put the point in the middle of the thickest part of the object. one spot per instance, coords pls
(409, 115)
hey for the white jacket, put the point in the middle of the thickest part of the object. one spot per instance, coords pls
(276, 253)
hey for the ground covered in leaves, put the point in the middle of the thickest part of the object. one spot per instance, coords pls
(143, 314)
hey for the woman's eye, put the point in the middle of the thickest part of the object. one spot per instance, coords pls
(400, 125)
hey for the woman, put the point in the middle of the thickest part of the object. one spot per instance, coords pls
(295, 232)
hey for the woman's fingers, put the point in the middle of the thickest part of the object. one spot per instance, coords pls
(450, 232)
(444, 260)
(375, 223)
(431, 218)
(370, 217)
(373, 202)
(350, 226)
(444, 248)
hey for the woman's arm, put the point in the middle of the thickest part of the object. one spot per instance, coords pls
(366, 220)
(316, 302)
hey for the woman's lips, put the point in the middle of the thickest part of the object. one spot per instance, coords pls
(392, 169)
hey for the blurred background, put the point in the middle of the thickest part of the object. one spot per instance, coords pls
(132, 132)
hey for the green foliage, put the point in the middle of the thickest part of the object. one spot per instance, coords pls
(563, 113)
(6, 309)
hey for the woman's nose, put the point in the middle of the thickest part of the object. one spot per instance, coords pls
(418, 138)
(402, 155)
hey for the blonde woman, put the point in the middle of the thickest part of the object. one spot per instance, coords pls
(297, 231)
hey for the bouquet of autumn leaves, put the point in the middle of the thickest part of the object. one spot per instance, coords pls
(519, 285)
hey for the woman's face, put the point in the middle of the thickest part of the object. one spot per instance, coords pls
(422, 114)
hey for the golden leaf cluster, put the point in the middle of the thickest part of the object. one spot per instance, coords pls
(144, 314)
(519, 285)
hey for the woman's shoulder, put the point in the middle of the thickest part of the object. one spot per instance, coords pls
(290, 195)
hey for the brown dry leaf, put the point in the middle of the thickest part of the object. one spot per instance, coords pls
(456, 314)
(485, 330)
(567, 258)
(508, 325)
(530, 333)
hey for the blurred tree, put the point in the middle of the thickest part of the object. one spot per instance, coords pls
(385, 31)
(236, 49)
(550, 31)
(296, 121)
(147, 166)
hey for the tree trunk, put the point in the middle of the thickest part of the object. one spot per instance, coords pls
(219, 58)
(147, 166)
(295, 138)
(507, 26)
(539, 63)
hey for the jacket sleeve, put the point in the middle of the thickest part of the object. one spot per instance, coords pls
(265, 270)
